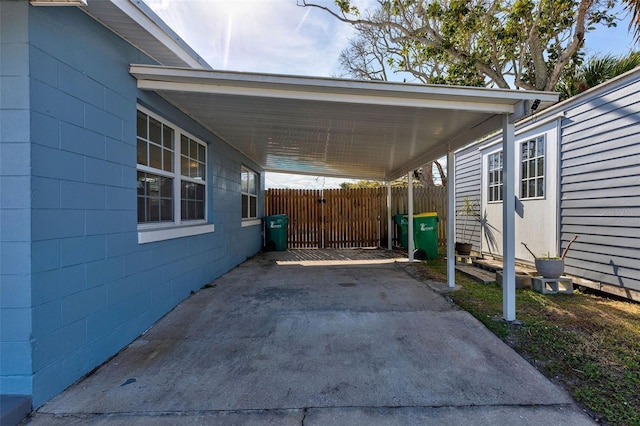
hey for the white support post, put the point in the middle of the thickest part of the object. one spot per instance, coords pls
(389, 219)
(508, 221)
(410, 244)
(451, 219)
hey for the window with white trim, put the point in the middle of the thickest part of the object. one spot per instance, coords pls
(249, 182)
(532, 167)
(494, 168)
(171, 174)
(193, 171)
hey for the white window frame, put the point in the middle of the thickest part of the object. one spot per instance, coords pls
(495, 184)
(526, 161)
(249, 220)
(158, 231)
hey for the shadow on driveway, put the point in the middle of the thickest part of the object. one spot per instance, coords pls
(315, 337)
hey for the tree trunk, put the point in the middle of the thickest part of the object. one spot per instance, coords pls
(425, 175)
(443, 176)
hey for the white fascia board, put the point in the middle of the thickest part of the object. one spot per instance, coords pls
(497, 101)
(154, 72)
(153, 27)
(58, 2)
(330, 96)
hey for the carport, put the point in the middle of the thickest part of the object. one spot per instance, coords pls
(353, 129)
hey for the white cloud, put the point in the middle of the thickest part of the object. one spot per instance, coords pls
(303, 20)
(269, 36)
(290, 181)
(157, 5)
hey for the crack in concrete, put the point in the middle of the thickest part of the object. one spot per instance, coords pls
(304, 410)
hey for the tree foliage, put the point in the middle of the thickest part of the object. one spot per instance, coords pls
(421, 177)
(361, 184)
(522, 44)
(398, 183)
(633, 6)
(595, 71)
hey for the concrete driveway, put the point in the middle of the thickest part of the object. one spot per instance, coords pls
(316, 338)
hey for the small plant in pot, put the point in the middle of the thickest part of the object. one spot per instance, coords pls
(469, 213)
(550, 266)
(473, 220)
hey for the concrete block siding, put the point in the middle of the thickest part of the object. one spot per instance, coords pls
(15, 204)
(76, 285)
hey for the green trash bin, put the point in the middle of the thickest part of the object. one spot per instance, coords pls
(425, 233)
(402, 221)
(276, 232)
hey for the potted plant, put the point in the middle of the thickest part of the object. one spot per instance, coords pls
(473, 220)
(550, 267)
(469, 212)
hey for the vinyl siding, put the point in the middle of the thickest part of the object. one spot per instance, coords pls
(600, 184)
(468, 185)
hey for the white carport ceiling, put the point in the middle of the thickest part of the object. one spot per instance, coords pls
(330, 127)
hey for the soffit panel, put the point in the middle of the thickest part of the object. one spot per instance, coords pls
(366, 130)
(348, 140)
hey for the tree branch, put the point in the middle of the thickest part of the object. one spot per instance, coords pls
(537, 55)
(574, 45)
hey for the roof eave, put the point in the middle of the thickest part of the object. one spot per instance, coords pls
(137, 24)
(498, 101)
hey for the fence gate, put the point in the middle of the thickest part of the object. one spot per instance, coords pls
(330, 218)
(304, 209)
(352, 217)
(348, 218)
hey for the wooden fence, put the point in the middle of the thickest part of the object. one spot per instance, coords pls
(347, 218)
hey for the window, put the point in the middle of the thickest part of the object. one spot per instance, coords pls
(193, 158)
(249, 181)
(495, 176)
(532, 168)
(171, 176)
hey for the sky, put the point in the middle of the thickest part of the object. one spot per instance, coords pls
(279, 37)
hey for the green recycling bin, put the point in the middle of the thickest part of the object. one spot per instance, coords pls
(276, 232)
(425, 233)
(402, 222)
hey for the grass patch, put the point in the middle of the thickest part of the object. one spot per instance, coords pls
(588, 344)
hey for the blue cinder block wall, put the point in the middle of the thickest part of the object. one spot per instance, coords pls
(76, 285)
(15, 200)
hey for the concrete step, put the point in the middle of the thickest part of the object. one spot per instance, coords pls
(493, 265)
(478, 274)
(14, 408)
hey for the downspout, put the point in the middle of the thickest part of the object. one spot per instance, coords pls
(558, 185)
